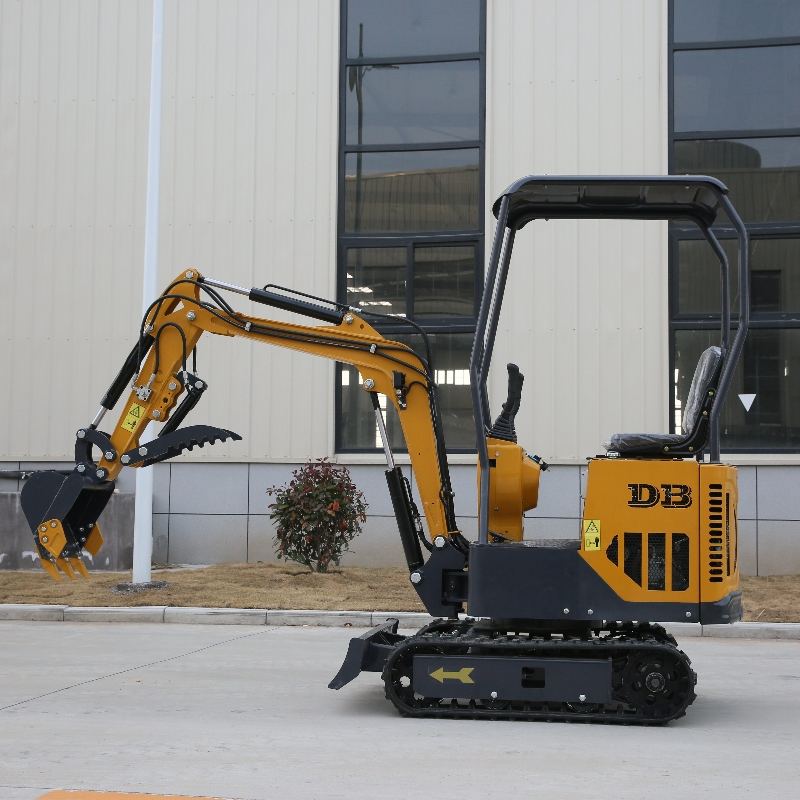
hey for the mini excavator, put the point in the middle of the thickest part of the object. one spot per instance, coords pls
(556, 628)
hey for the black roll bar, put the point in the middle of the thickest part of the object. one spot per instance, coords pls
(696, 198)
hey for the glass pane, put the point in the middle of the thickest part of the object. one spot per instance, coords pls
(750, 88)
(376, 279)
(411, 191)
(762, 174)
(444, 281)
(450, 354)
(730, 20)
(769, 368)
(383, 28)
(412, 103)
(774, 276)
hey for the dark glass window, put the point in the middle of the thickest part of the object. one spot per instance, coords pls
(386, 28)
(769, 368)
(751, 88)
(774, 276)
(399, 103)
(411, 196)
(736, 111)
(762, 174)
(444, 281)
(732, 20)
(411, 191)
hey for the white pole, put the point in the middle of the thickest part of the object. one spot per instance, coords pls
(143, 509)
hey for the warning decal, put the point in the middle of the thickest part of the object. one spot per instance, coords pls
(133, 416)
(591, 534)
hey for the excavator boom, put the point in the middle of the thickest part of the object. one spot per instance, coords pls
(63, 510)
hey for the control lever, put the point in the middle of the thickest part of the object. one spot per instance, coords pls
(503, 427)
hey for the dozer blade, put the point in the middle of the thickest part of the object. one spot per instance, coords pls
(368, 652)
(62, 511)
(174, 443)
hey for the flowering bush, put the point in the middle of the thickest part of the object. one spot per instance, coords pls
(317, 515)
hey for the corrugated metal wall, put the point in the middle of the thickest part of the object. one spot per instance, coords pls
(580, 87)
(248, 195)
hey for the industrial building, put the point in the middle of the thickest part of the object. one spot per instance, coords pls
(352, 149)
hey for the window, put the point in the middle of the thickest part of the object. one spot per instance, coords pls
(411, 198)
(734, 110)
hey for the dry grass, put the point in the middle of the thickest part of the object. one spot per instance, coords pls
(766, 599)
(773, 598)
(227, 586)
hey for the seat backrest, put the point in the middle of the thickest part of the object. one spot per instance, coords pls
(705, 378)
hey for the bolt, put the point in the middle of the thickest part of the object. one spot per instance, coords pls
(582, 698)
(142, 451)
(416, 577)
(53, 524)
(81, 468)
(109, 454)
(590, 611)
(156, 414)
(189, 274)
(43, 529)
(493, 695)
(369, 383)
(199, 384)
(172, 386)
(566, 611)
(101, 473)
(688, 613)
(191, 316)
(81, 434)
(439, 541)
(348, 318)
(126, 459)
(45, 540)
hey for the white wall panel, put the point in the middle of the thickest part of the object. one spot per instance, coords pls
(580, 87)
(248, 195)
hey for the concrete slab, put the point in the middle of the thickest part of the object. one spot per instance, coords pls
(197, 710)
(111, 614)
(216, 616)
(355, 619)
(32, 612)
(408, 619)
(754, 630)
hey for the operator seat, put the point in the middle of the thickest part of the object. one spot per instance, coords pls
(694, 428)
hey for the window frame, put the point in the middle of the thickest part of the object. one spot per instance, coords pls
(345, 240)
(757, 230)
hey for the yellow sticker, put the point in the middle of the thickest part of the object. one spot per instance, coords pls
(591, 534)
(135, 413)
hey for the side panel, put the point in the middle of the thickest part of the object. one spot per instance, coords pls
(719, 550)
(641, 531)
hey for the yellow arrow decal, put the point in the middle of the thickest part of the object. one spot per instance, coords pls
(462, 675)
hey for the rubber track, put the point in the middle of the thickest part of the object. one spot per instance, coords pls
(627, 642)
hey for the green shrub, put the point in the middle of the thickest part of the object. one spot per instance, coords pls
(317, 514)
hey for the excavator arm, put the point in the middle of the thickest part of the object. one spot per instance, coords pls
(63, 510)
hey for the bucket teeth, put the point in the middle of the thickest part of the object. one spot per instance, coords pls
(78, 565)
(94, 541)
(63, 565)
(50, 568)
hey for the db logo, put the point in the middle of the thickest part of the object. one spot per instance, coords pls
(671, 495)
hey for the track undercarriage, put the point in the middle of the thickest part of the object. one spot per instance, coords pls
(631, 674)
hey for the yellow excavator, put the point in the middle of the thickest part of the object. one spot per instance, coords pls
(557, 628)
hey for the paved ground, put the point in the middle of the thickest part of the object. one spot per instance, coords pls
(245, 713)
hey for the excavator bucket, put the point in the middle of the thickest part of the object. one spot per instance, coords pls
(62, 511)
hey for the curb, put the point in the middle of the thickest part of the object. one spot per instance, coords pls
(332, 619)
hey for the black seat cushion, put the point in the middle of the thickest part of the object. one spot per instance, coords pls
(705, 377)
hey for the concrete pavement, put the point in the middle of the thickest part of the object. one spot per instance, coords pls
(245, 713)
